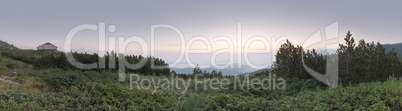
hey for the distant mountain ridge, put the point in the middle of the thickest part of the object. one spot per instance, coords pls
(397, 47)
(255, 72)
(227, 71)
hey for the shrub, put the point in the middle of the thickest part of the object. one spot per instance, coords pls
(10, 65)
(56, 82)
(192, 102)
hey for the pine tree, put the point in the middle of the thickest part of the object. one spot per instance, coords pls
(393, 62)
(346, 53)
(197, 70)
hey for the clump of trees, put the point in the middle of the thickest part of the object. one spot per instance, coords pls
(366, 62)
(47, 60)
(362, 62)
(111, 63)
(289, 61)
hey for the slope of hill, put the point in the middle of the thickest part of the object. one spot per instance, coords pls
(397, 47)
(17, 53)
(5, 46)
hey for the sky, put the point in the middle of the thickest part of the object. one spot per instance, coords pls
(27, 24)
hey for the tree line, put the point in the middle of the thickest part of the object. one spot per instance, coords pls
(45, 60)
(59, 60)
(358, 62)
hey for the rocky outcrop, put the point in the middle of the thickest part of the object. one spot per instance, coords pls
(4, 79)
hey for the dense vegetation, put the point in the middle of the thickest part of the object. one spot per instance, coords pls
(103, 92)
(363, 62)
(370, 80)
(45, 60)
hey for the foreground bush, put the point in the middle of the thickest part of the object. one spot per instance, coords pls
(365, 96)
(90, 96)
(116, 96)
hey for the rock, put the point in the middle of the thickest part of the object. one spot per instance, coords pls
(10, 82)
(13, 73)
(6, 77)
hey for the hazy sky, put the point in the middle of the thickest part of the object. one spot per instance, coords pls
(27, 24)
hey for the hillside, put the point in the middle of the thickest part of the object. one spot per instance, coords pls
(5, 45)
(397, 47)
(55, 89)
